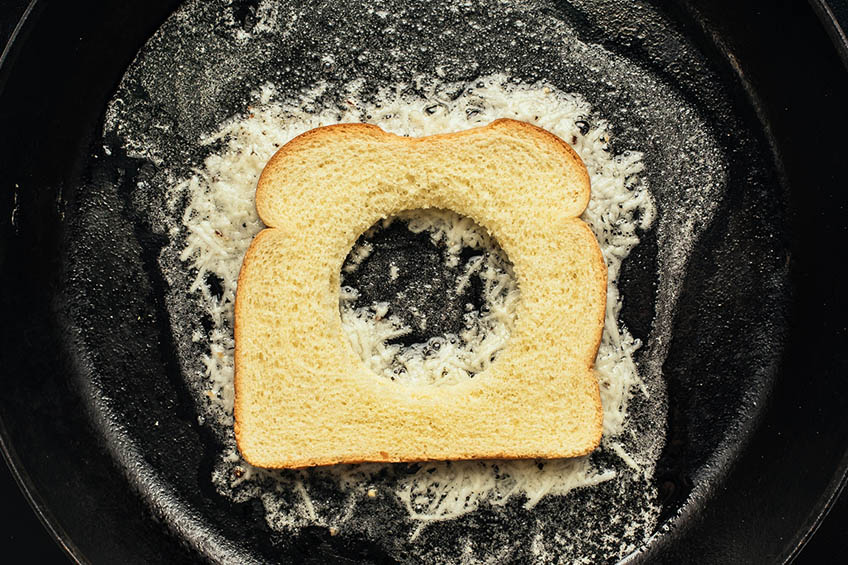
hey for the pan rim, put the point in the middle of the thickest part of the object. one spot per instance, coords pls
(838, 486)
(33, 498)
(29, 491)
(836, 29)
(834, 490)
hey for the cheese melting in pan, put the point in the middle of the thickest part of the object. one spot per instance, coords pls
(373, 330)
(220, 221)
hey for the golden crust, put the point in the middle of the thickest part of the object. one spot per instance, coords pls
(265, 184)
(385, 458)
(237, 317)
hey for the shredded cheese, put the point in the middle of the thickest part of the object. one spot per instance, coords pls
(220, 222)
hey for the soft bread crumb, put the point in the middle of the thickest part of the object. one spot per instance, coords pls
(303, 397)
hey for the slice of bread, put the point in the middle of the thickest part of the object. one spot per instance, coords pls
(303, 397)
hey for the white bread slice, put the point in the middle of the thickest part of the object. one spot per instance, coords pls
(304, 398)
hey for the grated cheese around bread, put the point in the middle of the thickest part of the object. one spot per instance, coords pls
(185, 110)
(220, 201)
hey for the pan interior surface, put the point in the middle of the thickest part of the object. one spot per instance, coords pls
(210, 64)
(706, 290)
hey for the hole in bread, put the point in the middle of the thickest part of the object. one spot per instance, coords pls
(427, 297)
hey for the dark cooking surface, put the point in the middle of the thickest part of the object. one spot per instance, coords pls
(822, 137)
(25, 536)
(412, 301)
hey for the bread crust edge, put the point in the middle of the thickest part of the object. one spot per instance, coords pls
(569, 154)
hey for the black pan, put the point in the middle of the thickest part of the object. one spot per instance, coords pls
(100, 429)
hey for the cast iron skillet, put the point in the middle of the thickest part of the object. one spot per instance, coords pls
(771, 488)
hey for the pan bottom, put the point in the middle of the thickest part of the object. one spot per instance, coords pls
(693, 290)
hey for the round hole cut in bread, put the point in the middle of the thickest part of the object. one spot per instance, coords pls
(304, 397)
